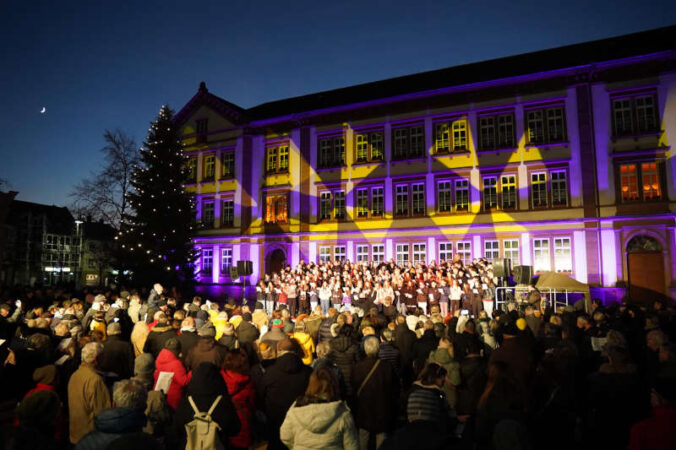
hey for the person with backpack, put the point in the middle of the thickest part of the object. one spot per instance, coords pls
(205, 417)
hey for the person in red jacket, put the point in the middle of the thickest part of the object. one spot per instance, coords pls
(168, 361)
(241, 388)
(657, 432)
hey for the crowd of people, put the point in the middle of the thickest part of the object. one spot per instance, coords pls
(336, 355)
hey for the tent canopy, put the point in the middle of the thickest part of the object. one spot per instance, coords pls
(553, 280)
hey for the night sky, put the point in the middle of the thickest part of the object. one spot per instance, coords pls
(99, 65)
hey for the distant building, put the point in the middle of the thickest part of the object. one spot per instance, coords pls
(6, 199)
(98, 244)
(558, 159)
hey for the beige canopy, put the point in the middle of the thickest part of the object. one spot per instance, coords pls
(560, 282)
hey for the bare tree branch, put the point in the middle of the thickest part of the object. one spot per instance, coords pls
(103, 195)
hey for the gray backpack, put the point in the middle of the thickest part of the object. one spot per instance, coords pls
(202, 432)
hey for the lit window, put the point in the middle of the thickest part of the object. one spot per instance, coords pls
(462, 195)
(377, 201)
(651, 181)
(401, 200)
(441, 141)
(559, 189)
(362, 253)
(491, 250)
(362, 202)
(445, 251)
(325, 206)
(459, 135)
(339, 253)
(208, 213)
(401, 254)
(629, 182)
(444, 196)
(207, 260)
(277, 159)
(276, 208)
(378, 252)
(538, 185)
(541, 257)
(563, 261)
(191, 170)
(419, 253)
(209, 167)
(228, 213)
(369, 147)
(228, 165)
(226, 259)
(508, 189)
(464, 250)
(490, 193)
(339, 205)
(511, 250)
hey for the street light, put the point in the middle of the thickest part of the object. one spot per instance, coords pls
(78, 271)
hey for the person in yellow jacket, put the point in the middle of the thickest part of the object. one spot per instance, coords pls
(305, 341)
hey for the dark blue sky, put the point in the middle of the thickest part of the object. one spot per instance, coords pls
(99, 65)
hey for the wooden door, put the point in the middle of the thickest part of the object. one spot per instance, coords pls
(646, 276)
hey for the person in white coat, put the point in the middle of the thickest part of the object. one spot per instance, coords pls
(319, 419)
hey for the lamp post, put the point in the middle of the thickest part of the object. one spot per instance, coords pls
(78, 269)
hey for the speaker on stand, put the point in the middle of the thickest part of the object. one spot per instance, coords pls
(502, 268)
(244, 269)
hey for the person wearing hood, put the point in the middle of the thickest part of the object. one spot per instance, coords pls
(125, 417)
(168, 361)
(206, 349)
(155, 296)
(281, 384)
(235, 372)
(305, 342)
(319, 419)
(159, 335)
(344, 354)
(204, 388)
(443, 355)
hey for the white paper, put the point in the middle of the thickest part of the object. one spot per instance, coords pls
(2, 341)
(419, 291)
(431, 296)
(62, 360)
(164, 381)
(441, 291)
(598, 343)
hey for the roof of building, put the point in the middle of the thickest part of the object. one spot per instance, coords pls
(586, 53)
(59, 219)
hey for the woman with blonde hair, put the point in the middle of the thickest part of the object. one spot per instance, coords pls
(319, 419)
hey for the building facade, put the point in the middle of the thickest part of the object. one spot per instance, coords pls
(558, 159)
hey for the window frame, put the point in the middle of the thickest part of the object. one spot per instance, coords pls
(231, 222)
(209, 175)
(278, 199)
(639, 179)
(448, 249)
(631, 112)
(502, 131)
(544, 117)
(378, 252)
(453, 134)
(332, 155)
(227, 174)
(203, 218)
(369, 140)
(273, 154)
(226, 268)
(207, 254)
(404, 145)
(491, 246)
(511, 250)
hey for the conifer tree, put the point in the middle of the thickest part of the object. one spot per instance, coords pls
(156, 237)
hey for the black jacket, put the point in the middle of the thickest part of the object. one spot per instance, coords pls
(422, 348)
(157, 337)
(247, 332)
(117, 357)
(376, 405)
(343, 353)
(188, 340)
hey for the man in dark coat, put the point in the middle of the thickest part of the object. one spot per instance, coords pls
(388, 351)
(188, 337)
(344, 353)
(404, 339)
(376, 403)
(159, 335)
(247, 333)
(118, 355)
(423, 346)
(282, 383)
(516, 354)
(206, 349)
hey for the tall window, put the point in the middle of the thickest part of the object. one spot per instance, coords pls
(496, 131)
(228, 212)
(444, 196)
(635, 115)
(563, 261)
(419, 253)
(276, 208)
(377, 201)
(401, 254)
(324, 254)
(538, 186)
(559, 188)
(401, 208)
(464, 250)
(650, 178)
(339, 205)
(462, 195)
(508, 189)
(408, 142)
(331, 151)
(339, 253)
(325, 206)
(541, 257)
(459, 135)
(277, 159)
(640, 181)
(490, 193)
(226, 259)
(362, 202)
(362, 253)
(491, 250)
(418, 199)
(511, 250)
(208, 213)
(446, 251)
(369, 147)
(228, 165)
(450, 136)
(207, 260)
(191, 169)
(378, 252)
(546, 125)
(209, 167)
(629, 182)
(442, 138)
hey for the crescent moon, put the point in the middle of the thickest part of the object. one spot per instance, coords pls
(43, 110)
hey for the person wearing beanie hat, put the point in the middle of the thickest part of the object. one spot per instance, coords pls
(45, 378)
(228, 338)
(37, 416)
(206, 349)
(160, 333)
(144, 366)
(187, 336)
(118, 354)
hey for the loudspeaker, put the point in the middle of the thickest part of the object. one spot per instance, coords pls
(523, 274)
(234, 274)
(245, 268)
(502, 267)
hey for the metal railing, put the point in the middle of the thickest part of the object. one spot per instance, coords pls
(553, 297)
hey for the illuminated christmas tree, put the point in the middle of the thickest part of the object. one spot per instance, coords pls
(156, 237)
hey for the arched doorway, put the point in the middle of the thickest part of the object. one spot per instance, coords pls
(275, 261)
(645, 269)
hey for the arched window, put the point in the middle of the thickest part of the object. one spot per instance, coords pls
(643, 243)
